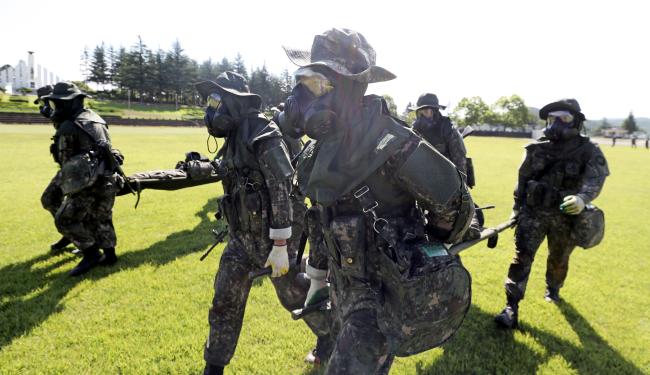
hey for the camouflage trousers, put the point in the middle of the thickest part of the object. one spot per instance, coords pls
(361, 347)
(52, 197)
(86, 217)
(245, 253)
(532, 228)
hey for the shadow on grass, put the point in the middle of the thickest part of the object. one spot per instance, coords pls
(480, 347)
(29, 294)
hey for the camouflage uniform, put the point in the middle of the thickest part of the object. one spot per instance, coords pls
(359, 144)
(256, 204)
(85, 215)
(444, 136)
(52, 196)
(548, 173)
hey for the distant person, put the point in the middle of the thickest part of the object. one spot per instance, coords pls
(647, 138)
(633, 141)
(88, 178)
(613, 140)
(438, 130)
(560, 175)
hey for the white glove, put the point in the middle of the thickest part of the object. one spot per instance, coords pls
(278, 260)
(318, 288)
(572, 205)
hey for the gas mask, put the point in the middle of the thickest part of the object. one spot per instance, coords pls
(309, 108)
(45, 109)
(217, 119)
(65, 109)
(560, 126)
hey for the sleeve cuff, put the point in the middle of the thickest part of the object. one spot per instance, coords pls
(280, 234)
(315, 273)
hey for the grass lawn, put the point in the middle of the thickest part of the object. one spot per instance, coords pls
(148, 313)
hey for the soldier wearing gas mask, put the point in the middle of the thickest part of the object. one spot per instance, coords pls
(52, 197)
(438, 130)
(257, 206)
(87, 180)
(365, 162)
(560, 175)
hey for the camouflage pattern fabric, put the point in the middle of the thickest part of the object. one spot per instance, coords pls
(232, 285)
(532, 228)
(442, 135)
(549, 172)
(52, 197)
(86, 218)
(253, 203)
(354, 251)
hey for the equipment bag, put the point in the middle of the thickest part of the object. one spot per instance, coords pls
(589, 227)
(427, 291)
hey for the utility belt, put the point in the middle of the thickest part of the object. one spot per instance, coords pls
(247, 207)
(426, 291)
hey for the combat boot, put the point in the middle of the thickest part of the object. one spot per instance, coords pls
(212, 370)
(552, 295)
(60, 244)
(108, 258)
(508, 318)
(321, 353)
(90, 260)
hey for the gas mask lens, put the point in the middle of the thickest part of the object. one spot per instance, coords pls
(214, 100)
(564, 116)
(315, 82)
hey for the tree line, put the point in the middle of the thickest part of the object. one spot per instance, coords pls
(168, 76)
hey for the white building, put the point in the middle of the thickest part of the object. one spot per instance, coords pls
(25, 75)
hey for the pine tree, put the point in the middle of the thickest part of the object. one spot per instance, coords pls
(630, 124)
(98, 66)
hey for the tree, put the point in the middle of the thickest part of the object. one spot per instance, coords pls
(630, 124)
(84, 66)
(207, 70)
(98, 66)
(239, 66)
(511, 111)
(472, 111)
(392, 107)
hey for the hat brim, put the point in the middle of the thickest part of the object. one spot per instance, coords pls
(373, 74)
(427, 106)
(63, 97)
(559, 106)
(205, 88)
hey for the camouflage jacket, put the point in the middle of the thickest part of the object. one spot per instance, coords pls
(444, 136)
(258, 181)
(552, 171)
(79, 135)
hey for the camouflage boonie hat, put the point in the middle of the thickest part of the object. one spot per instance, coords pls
(427, 100)
(569, 104)
(42, 91)
(228, 83)
(65, 91)
(345, 52)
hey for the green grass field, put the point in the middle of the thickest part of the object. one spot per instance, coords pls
(17, 103)
(148, 313)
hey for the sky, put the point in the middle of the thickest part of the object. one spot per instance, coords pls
(595, 51)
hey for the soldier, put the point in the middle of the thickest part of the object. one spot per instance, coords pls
(362, 156)
(257, 206)
(88, 178)
(561, 173)
(52, 196)
(438, 130)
